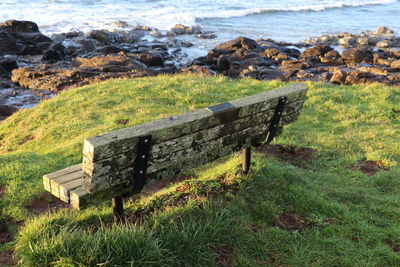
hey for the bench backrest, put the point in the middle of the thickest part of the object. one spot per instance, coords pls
(184, 141)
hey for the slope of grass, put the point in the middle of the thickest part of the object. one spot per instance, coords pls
(216, 217)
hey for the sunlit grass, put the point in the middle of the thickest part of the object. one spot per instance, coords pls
(353, 214)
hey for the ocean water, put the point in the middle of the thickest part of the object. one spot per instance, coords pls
(287, 20)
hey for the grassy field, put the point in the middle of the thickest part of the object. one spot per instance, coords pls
(314, 199)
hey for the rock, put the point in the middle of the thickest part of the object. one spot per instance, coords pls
(384, 30)
(156, 33)
(206, 36)
(384, 44)
(107, 37)
(109, 49)
(83, 71)
(292, 52)
(347, 41)
(356, 77)
(142, 28)
(8, 44)
(262, 73)
(55, 53)
(295, 64)
(201, 70)
(6, 110)
(119, 24)
(373, 69)
(223, 63)
(316, 51)
(240, 42)
(363, 41)
(357, 55)
(7, 65)
(338, 76)
(22, 38)
(151, 59)
(332, 58)
(179, 29)
(395, 64)
(270, 52)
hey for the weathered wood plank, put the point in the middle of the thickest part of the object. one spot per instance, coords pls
(114, 143)
(55, 183)
(67, 187)
(114, 176)
(48, 177)
(164, 149)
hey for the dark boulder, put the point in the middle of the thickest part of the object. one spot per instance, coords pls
(55, 53)
(316, 51)
(22, 38)
(357, 55)
(151, 59)
(6, 110)
(7, 65)
(240, 42)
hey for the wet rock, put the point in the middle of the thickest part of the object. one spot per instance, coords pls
(109, 49)
(22, 38)
(357, 55)
(54, 53)
(108, 37)
(151, 59)
(7, 65)
(179, 29)
(384, 30)
(6, 110)
(292, 52)
(240, 42)
(206, 36)
(156, 33)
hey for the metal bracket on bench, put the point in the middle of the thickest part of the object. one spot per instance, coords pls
(142, 159)
(273, 128)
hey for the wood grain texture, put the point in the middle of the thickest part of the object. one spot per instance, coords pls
(109, 159)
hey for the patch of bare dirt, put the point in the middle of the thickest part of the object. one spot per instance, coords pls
(6, 258)
(45, 202)
(371, 167)
(289, 153)
(225, 255)
(290, 220)
(122, 122)
(26, 139)
(393, 244)
(5, 232)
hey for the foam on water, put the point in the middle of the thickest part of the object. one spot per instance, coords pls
(65, 15)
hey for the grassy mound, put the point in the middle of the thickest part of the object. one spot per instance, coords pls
(326, 195)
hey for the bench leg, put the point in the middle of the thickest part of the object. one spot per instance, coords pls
(118, 210)
(246, 160)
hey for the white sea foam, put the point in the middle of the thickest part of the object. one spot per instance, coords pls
(65, 15)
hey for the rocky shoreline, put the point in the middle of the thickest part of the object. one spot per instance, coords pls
(34, 66)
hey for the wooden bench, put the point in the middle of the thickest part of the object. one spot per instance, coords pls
(120, 162)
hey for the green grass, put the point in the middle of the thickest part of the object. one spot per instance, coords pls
(353, 216)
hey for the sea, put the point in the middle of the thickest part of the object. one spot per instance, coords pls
(285, 20)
